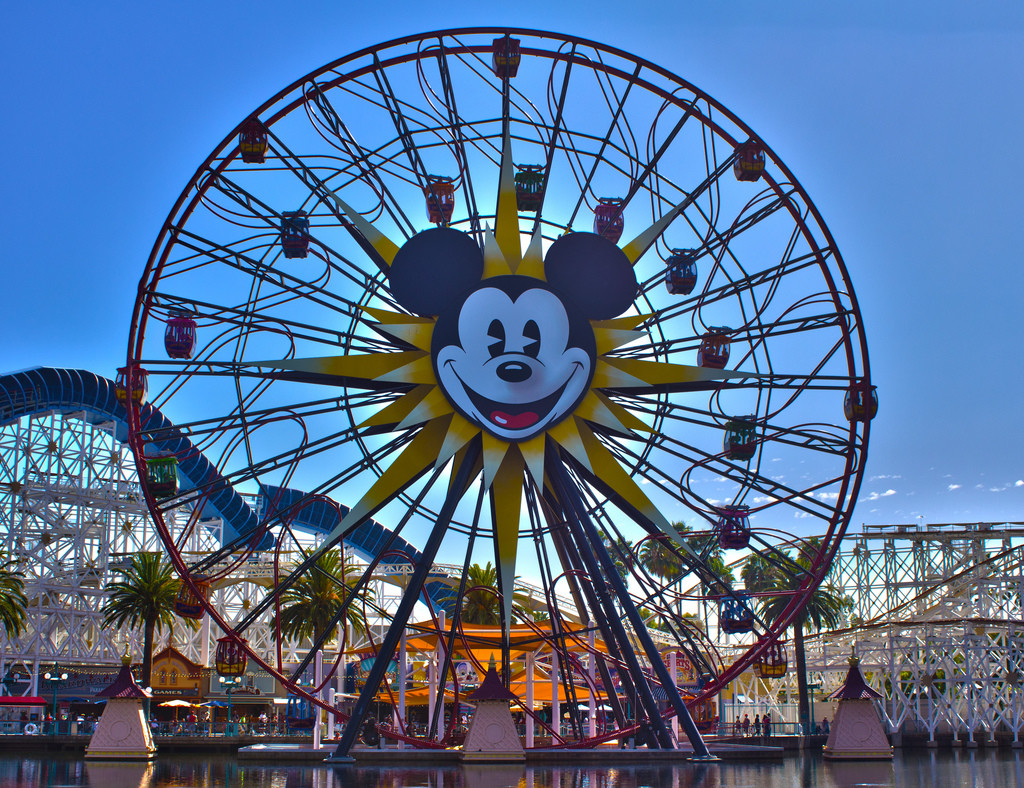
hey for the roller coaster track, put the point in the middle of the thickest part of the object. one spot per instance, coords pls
(93, 398)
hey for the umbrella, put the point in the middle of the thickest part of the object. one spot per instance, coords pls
(176, 703)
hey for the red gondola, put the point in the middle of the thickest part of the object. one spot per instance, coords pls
(506, 57)
(295, 234)
(230, 657)
(138, 386)
(608, 218)
(188, 605)
(749, 162)
(733, 527)
(252, 141)
(440, 194)
(530, 186)
(180, 335)
(740, 439)
(735, 616)
(861, 403)
(681, 276)
(162, 476)
(772, 662)
(714, 348)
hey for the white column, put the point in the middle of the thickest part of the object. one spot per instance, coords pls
(435, 676)
(556, 706)
(529, 700)
(204, 642)
(400, 722)
(331, 693)
(672, 655)
(592, 675)
(318, 672)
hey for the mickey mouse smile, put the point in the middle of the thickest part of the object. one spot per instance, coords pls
(515, 417)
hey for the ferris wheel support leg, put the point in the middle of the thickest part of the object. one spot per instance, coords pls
(389, 644)
(571, 496)
(578, 522)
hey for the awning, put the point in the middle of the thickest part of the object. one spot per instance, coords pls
(22, 700)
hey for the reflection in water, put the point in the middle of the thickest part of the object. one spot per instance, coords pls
(848, 774)
(931, 769)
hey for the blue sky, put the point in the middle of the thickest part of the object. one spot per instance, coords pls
(902, 124)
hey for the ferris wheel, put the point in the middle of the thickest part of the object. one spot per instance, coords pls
(522, 298)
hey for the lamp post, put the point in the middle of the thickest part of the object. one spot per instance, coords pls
(811, 688)
(56, 678)
(229, 682)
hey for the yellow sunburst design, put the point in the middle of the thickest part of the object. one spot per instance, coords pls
(442, 433)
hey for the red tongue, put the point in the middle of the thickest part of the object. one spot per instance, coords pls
(517, 422)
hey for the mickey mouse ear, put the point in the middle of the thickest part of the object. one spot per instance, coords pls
(433, 268)
(593, 273)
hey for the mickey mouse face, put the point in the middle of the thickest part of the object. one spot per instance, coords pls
(513, 354)
(511, 357)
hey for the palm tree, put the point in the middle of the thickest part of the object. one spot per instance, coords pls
(144, 596)
(311, 605)
(481, 603)
(621, 553)
(826, 608)
(13, 602)
(658, 556)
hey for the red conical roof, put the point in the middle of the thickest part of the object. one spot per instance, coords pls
(491, 688)
(124, 685)
(854, 688)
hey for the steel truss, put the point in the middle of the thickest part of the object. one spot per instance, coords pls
(938, 626)
(71, 513)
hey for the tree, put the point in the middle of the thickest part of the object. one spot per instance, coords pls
(658, 556)
(621, 553)
(312, 603)
(826, 608)
(13, 602)
(144, 596)
(481, 602)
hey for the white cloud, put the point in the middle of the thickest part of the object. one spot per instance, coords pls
(1019, 483)
(885, 476)
(876, 495)
(952, 487)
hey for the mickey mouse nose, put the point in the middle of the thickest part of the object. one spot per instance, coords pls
(514, 371)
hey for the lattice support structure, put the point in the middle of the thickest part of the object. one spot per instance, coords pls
(938, 625)
(71, 513)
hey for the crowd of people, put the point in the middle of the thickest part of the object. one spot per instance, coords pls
(761, 727)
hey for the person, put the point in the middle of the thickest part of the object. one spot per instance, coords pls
(766, 724)
(736, 729)
(746, 724)
(757, 726)
(824, 725)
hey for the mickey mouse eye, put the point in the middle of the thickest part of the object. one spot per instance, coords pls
(531, 331)
(496, 331)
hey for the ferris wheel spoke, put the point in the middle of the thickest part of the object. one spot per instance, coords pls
(361, 159)
(275, 220)
(393, 107)
(737, 286)
(456, 123)
(286, 285)
(598, 157)
(746, 477)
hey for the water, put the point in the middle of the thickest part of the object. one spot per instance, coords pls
(950, 769)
